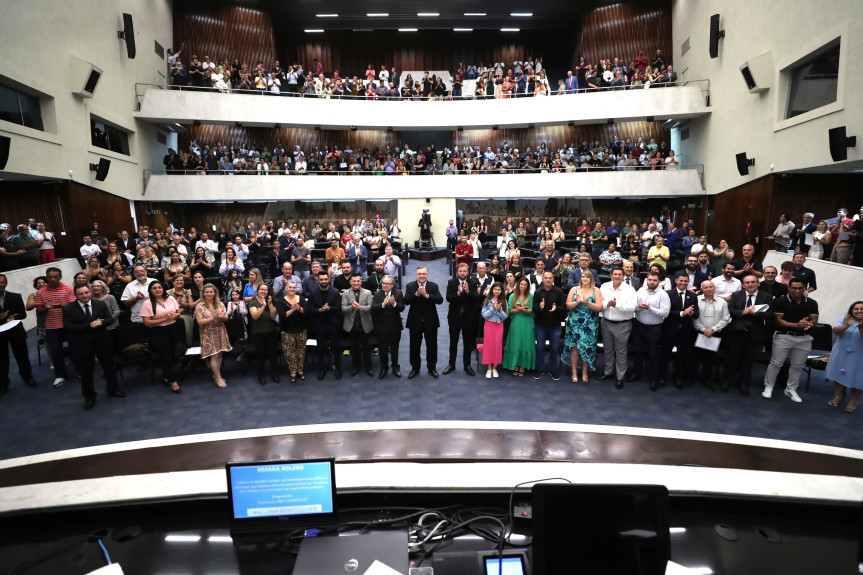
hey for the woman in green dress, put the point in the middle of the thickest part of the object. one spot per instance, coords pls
(519, 355)
(721, 255)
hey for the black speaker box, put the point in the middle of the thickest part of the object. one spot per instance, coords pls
(743, 164)
(839, 143)
(715, 35)
(129, 35)
(5, 143)
(101, 169)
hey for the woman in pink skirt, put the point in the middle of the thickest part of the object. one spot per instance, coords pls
(494, 312)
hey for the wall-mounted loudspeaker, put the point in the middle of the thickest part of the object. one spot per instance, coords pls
(743, 163)
(5, 144)
(758, 73)
(839, 144)
(715, 35)
(128, 34)
(101, 169)
(86, 77)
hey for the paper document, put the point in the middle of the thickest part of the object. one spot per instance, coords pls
(708, 343)
(378, 568)
(762, 307)
(9, 325)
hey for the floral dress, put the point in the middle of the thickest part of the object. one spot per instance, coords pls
(214, 336)
(582, 327)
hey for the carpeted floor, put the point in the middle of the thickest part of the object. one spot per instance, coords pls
(46, 419)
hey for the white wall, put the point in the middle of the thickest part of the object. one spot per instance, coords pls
(40, 40)
(666, 183)
(258, 110)
(838, 285)
(21, 281)
(751, 123)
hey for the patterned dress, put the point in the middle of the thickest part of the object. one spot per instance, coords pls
(214, 336)
(582, 326)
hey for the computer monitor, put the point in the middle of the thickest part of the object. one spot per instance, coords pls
(600, 529)
(270, 496)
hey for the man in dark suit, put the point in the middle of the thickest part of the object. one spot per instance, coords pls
(629, 276)
(747, 333)
(422, 296)
(85, 322)
(482, 279)
(387, 306)
(357, 314)
(678, 331)
(463, 315)
(11, 309)
(325, 317)
(695, 274)
(770, 286)
(535, 277)
(126, 244)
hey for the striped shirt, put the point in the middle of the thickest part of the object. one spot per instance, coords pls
(63, 295)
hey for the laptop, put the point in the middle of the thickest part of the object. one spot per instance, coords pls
(353, 553)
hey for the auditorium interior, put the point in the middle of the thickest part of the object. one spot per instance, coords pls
(728, 118)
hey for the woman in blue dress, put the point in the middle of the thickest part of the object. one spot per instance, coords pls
(845, 366)
(584, 303)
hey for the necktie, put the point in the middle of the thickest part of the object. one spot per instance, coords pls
(87, 313)
(749, 302)
(628, 282)
(682, 300)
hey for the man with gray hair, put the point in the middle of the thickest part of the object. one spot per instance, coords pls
(575, 275)
(280, 283)
(799, 245)
(387, 306)
(618, 308)
(713, 316)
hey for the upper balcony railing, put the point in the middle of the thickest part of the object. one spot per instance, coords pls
(256, 108)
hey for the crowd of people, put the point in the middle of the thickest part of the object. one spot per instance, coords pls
(516, 79)
(618, 154)
(838, 239)
(642, 290)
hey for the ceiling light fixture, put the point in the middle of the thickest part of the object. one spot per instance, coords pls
(313, 30)
(427, 14)
(377, 14)
(510, 29)
(407, 29)
(462, 29)
(474, 13)
(521, 14)
(327, 15)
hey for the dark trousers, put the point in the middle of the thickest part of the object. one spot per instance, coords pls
(429, 332)
(682, 339)
(740, 353)
(163, 342)
(266, 349)
(467, 326)
(361, 345)
(388, 349)
(16, 338)
(54, 340)
(84, 365)
(647, 354)
(552, 334)
(705, 366)
(328, 338)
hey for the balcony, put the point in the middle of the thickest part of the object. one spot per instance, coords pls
(346, 186)
(165, 105)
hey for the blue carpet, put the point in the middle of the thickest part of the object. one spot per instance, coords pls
(45, 419)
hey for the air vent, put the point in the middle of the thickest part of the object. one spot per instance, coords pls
(160, 52)
(684, 48)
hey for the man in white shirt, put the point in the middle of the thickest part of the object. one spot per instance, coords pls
(240, 248)
(618, 308)
(713, 316)
(726, 284)
(535, 278)
(89, 249)
(136, 292)
(180, 246)
(483, 280)
(209, 246)
(392, 263)
(652, 307)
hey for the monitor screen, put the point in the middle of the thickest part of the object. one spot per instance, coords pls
(600, 529)
(281, 489)
(508, 565)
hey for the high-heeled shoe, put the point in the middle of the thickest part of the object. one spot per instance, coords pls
(301, 375)
(835, 401)
(584, 378)
(850, 408)
(220, 382)
(574, 378)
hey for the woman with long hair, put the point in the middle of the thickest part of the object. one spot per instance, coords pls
(94, 270)
(200, 261)
(515, 265)
(584, 303)
(160, 313)
(495, 268)
(187, 306)
(231, 263)
(233, 282)
(519, 355)
(196, 289)
(250, 291)
(114, 255)
(494, 312)
(562, 269)
(820, 238)
(177, 268)
(294, 327)
(100, 291)
(211, 316)
(265, 333)
(845, 367)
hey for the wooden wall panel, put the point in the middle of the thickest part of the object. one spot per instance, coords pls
(559, 136)
(623, 30)
(219, 29)
(85, 206)
(556, 136)
(39, 200)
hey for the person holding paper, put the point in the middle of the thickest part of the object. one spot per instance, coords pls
(712, 318)
(750, 312)
(12, 310)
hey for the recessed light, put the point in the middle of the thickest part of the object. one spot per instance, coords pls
(428, 14)
(327, 15)
(462, 29)
(407, 29)
(377, 14)
(474, 13)
(313, 30)
(510, 29)
(521, 14)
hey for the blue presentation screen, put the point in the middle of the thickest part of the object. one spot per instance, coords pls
(278, 490)
(506, 566)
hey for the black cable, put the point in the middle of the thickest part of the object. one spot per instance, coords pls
(510, 518)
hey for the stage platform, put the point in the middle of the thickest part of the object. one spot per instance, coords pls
(427, 255)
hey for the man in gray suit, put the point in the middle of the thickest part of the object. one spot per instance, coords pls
(356, 309)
